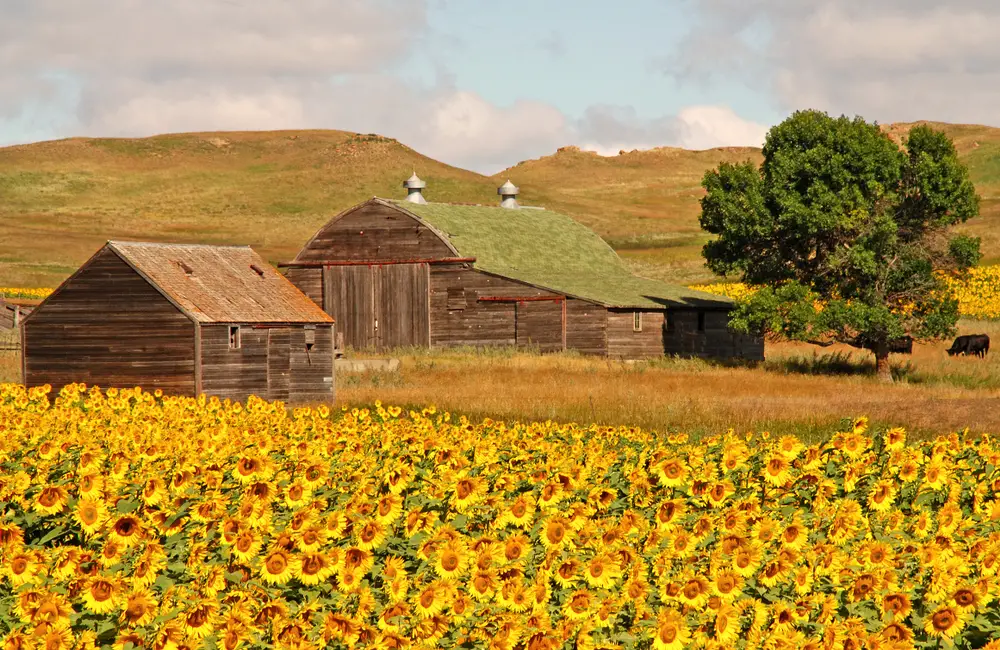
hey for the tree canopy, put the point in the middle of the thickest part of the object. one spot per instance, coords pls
(844, 231)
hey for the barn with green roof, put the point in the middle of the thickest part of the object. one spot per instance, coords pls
(398, 273)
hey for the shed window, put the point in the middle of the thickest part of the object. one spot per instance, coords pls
(310, 333)
(456, 298)
(637, 321)
(701, 321)
(234, 337)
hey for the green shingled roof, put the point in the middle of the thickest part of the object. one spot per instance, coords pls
(551, 250)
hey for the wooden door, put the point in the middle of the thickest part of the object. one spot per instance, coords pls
(402, 306)
(349, 296)
(278, 363)
(539, 324)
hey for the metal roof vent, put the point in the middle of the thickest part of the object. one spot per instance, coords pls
(508, 195)
(413, 186)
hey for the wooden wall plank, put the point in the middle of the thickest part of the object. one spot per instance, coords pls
(374, 232)
(311, 368)
(624, 342)
(108, 326)
(586, 327)
(538, 325)
(309, 281)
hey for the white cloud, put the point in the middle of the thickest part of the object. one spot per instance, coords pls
(891, 60)
(705, 127)
(131, 68)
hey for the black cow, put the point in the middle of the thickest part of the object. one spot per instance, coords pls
(977, 344)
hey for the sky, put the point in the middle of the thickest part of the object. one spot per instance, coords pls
(484, 85)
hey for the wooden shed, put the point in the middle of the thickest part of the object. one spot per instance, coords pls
(411, 273)
(188, 319)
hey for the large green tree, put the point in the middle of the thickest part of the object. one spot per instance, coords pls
(844, 231)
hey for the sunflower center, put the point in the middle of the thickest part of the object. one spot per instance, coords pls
(668, 634)
(692, 590)
(312, 564)
(19, 565)
(368, 533)
(427, 598)
(88, 514)
(943, 620)
(726, 584)
(49, 497)
(449, 561)
(672, 470)
(965, 597)
(246, 466)
(580, 603)
(596, 570)
(276, 563)
(244, 543)
(464, 488)
(519, 509)
(125, 527)
(101, 590)
(775, 466)
(555, 533)
(198, 617)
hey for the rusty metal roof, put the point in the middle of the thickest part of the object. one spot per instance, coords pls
(220, 284)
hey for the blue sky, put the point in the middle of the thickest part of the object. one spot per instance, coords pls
(485, 85)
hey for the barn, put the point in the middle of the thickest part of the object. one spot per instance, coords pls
(398, 273)
(187, 319)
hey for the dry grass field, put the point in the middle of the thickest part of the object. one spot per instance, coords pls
(800, 389)
(59, 201)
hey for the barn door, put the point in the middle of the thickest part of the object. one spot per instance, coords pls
(539, 324)
(402, 310)
(349, 296)
(279, 346)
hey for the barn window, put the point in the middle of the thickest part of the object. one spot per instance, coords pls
(310, 337)
(637, 321)
(701, 321)
(234, 337)
(456, 298)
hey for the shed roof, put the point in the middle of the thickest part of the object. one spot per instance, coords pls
(220, 284)
(551, 250)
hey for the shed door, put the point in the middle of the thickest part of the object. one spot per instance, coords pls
(278, 362)
(348, 294)
(539, 323)
(402, 310)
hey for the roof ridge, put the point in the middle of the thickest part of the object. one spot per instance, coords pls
(119, 242)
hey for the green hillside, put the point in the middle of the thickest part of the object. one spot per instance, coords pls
(60, 200)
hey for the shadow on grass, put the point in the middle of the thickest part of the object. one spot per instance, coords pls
(838, 364)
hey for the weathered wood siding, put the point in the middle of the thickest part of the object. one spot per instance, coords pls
(311, 367)
(234, 374)
(108, 326)
(586, 327)
(624, 342)
(374, 232)
(714, 340)
(538, 325)
(309, 281)
(379, 307)
(274, 363)
(459, 318)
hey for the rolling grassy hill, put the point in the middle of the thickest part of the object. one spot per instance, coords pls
(60, 200)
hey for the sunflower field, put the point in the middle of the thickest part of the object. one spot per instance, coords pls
(21, 292)
(978, 292)
(136, 520)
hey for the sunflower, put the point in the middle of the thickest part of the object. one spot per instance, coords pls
(671, 632)
(246, 546)
(746, 560)
(945, 621)
(468, 491)
(201, 618)
(313, 568)
(794, 535)
(21, 568)
(668, 513)
(520, 512)
(311, 539)
(126, 531)
(726, 584)
(482, 585)
(579, 605)
(452, 560)
(54, 637)
(336, 524)
(935, 475)
(388, 508)
(154, 492)
(694, 592)
(515, 547)
(431, 600)
(102, 595)
(671, 472)
(567, 572)
(727, 625)
(91, 515)
(719, 491)
(51, 500)
(965, 599)
(277, 567)
(356, 559)
(140, 608)
(602, 572)
(297, 494)
(348, 579)
(370, 534)
(393, 617)
(777, 470)
(555, 533)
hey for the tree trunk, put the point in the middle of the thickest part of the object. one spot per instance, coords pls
(882, 368)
